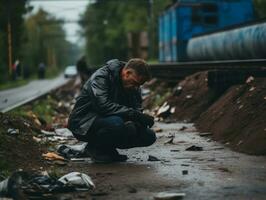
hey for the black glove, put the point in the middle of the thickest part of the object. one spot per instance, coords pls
(144, 119)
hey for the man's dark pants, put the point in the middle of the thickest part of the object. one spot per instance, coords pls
(113, 132)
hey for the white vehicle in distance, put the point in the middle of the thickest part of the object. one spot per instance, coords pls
(71, 71)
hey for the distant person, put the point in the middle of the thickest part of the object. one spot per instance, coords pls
(41, 70)
(108, 113)
(83, 70)
(18, 68)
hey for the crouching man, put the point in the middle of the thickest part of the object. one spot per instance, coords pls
(107, 114)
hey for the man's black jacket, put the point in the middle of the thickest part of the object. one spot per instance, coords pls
(103, 95)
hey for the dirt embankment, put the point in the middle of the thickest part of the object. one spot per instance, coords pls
(238, 118)
(235, 116)
(18, 149)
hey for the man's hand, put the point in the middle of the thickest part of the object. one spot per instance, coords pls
(144, 119)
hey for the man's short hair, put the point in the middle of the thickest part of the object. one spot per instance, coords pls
(140, 66)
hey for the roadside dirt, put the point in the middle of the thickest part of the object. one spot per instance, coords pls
(238, 118)
(235, 117)
(19, 150)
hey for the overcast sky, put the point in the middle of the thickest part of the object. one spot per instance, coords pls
(68, 10)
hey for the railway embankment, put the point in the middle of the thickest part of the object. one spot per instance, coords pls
(235, 116)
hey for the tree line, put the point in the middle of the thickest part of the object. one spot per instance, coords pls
(31, 39)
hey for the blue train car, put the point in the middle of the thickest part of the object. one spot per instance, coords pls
(188, 18)
(247, 42)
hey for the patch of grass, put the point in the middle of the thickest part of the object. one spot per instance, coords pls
(13, 84)
(42, 108)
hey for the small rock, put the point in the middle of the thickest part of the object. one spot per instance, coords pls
(205, 134)
(132, 190)
(252, 88)
(169, 196)
(174, 150)
(170, 141)
(13, 131)
(153, 158)
(183, 128)
(194, 148)
(185, 172)
(250, 79)
(188, 96)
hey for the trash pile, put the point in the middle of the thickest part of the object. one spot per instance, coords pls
(25, 185)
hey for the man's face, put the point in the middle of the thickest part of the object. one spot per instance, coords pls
(131, 80)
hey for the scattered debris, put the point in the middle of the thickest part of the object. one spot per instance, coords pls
(223, 169)
(52, 156)
(64, 132)
(73, 151)
(194, 148)
(204, 134)
(189, 96)
(153, 158)
(13, 131)
(25, 185)
(132, 190)
(77, 179)
(185, 172)
(170, 141)
(252, 88)
(183, 128)
(174, 150)
(250, 79)
(164, 111)
(177, 90)
(169, 196)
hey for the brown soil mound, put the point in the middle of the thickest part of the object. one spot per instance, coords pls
(235, 116)
(191, 97)
(238, 118)
(18, 150)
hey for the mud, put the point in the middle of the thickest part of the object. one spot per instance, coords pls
(214, 173)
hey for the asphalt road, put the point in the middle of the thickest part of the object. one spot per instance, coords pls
(214, 173)
(18, 96)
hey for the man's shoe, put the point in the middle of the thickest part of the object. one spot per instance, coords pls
(118, 157)
(106, 156)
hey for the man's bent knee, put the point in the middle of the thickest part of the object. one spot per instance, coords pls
(150, 137)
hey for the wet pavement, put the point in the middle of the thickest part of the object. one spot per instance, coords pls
(12, 98)
(213, 173)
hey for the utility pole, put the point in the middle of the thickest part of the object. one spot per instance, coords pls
(9, 35)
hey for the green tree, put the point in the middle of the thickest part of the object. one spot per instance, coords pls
(11, 11)
(45, 41)
(260, 8)
(107, 23)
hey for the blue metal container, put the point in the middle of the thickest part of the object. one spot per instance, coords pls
(161, 39)
(240, 43)
(189, 18)
(167, 36)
